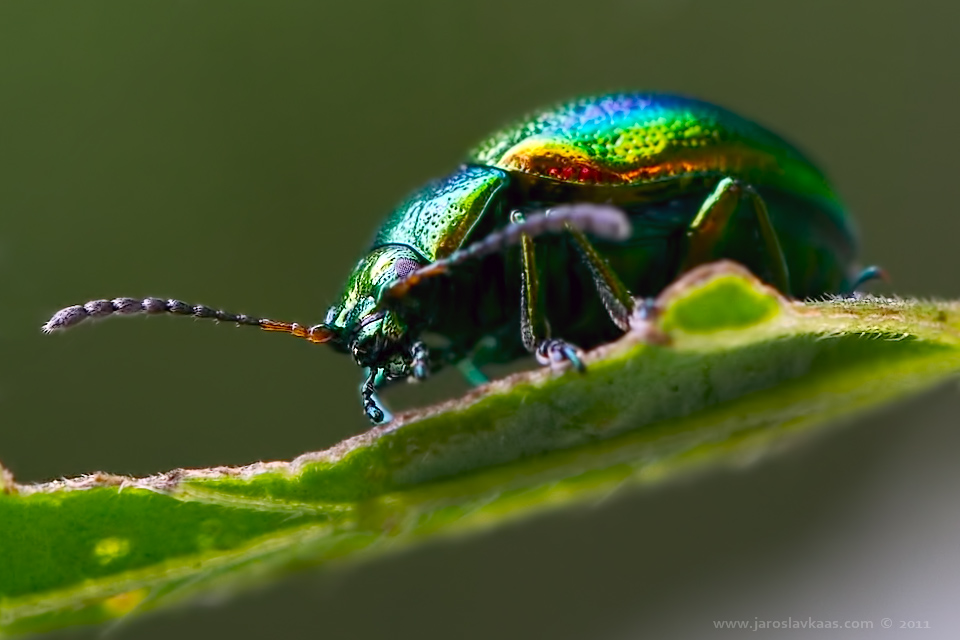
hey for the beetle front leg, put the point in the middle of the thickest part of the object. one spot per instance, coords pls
(376, 412)
(713, 221)
(534, 328)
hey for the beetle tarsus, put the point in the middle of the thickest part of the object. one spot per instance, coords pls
(555, 353)
(375, 411)
(646, 309)
(374, 414)
(420, 365)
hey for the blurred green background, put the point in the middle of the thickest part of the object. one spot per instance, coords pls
(241, 153)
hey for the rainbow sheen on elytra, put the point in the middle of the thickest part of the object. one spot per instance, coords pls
(635, 138)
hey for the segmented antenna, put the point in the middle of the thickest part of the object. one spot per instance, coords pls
(600, 220)
(97, 309)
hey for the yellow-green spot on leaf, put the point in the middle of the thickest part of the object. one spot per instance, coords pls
(111, 549)
(722, 303)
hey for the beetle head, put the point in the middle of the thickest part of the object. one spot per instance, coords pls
(376, 337)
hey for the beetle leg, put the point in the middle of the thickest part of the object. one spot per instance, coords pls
(472, 373)
(870, 273)
(481, 353)
(534, 328)
(646, 310)
(533, 323)
(713, 220)
(555, 352)
(614, 294)
(420, 356)
(372, 406)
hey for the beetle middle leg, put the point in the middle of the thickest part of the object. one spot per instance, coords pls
(615, 296)
(534, 328)
(713, 221)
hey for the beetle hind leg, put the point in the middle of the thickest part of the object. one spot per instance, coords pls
(713, 222)
(869, 274)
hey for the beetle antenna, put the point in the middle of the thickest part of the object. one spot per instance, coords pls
(603, 221)
(96, 309)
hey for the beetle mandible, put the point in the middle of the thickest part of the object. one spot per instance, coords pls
(607, 198)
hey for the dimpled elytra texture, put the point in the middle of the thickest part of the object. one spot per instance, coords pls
(646, 138)
(436, 219)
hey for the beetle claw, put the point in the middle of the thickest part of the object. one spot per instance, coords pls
(374, 414)
(555, 353)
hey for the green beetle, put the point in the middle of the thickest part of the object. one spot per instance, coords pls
(608, 198)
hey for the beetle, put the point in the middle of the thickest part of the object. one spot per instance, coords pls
(607, 199)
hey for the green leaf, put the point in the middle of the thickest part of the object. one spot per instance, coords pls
(726, 370)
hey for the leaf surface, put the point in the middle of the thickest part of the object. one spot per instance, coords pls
(725, 371)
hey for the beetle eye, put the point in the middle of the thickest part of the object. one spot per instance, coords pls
(404, 267)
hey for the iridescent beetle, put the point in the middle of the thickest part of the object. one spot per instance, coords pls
(662, 183)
